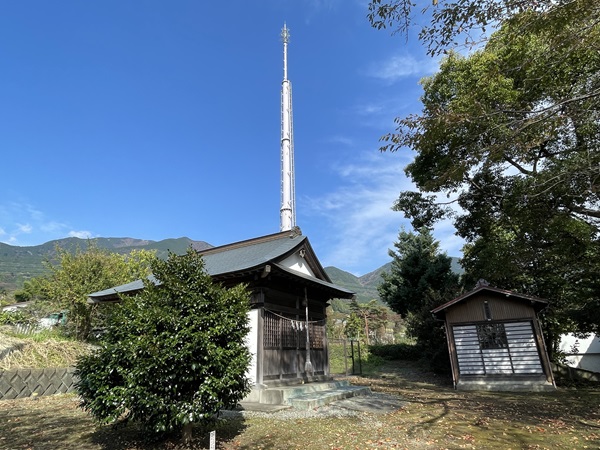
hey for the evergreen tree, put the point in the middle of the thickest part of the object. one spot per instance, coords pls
(372, 316)
(420, 280)
(172, 356)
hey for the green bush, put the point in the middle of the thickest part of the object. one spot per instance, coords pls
(336, 358)
(402, 351)
(370, 362)
(172, 356)
(10, 318)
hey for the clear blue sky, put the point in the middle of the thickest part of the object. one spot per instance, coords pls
(161, 119)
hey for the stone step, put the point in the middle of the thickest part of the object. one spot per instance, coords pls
(298, 381)
(281, 395)
(320, 398)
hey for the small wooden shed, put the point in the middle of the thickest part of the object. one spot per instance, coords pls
(495, 340)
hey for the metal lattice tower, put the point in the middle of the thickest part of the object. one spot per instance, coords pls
(288, 190)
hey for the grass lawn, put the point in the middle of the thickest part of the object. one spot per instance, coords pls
(434, 417)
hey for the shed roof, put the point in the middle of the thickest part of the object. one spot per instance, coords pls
(537, 303)
(244, 257)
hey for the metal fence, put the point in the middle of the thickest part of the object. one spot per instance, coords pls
(344, 357)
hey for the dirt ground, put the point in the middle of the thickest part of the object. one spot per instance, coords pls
(432, 416)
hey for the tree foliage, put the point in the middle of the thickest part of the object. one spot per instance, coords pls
(173, 355)
(372, 319)
(75, 274)
(507, 108)
(510, 133)
(354, 326)
(420, 279)
(527, 103)
(446, 24)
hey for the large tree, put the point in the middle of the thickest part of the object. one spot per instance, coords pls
(447, 24)
(419, 280)
(73, 274)
(172, 356)
(506, 109)
(510, 133)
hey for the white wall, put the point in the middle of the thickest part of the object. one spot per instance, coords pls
(582, 353)
(252, 344)
(297, 263)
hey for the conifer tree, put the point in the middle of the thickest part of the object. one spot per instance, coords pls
(420, 279)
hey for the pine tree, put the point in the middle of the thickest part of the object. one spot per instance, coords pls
(420, 279)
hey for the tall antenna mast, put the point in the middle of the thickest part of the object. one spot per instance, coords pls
(288, 194)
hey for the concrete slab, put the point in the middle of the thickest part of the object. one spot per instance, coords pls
(320, 398)
(317, 399)
(261, 407)
(374, 403)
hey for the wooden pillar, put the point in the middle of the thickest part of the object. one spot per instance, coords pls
(297, 354)
(280, 333)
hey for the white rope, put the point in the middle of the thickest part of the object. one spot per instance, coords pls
(294, 320)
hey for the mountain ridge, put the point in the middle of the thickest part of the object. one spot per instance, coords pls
(366, 285)
(20, 263)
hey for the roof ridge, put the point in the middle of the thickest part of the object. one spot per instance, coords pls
(289, 234)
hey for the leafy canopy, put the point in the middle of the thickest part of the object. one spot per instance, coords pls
(510, 133)
(447, 24)
(525, 105)
(75, 274)
(174, 354)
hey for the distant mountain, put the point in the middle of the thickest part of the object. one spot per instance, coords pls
(365, 286)
(18, 264)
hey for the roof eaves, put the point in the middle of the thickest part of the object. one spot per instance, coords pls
(127, 288)
(320, 272)
(344, 293)
(478, 289)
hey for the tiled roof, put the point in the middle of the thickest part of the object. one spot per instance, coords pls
(246, 255)
(340, 290)
(239, 257)
(124, 288)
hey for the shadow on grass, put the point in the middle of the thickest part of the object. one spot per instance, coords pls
(432, 415)
(133, 436)
(42, 424)
(56, 422)
(562, 408)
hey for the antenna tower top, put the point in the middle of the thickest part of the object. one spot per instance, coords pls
(285, 34)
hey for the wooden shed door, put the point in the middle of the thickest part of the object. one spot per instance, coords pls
(497, 348)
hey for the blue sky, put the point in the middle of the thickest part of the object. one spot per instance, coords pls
(160, 119)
